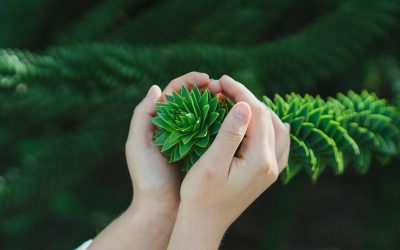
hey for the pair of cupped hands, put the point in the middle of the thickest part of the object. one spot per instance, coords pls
(194, 213)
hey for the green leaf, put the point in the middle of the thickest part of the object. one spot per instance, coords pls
(160, 137)
(203, 132)
(213, 104)
(196, 93)
(188, 137)
(212, 118)
(162, 124)
(170, 98)
(172, 139)
(168, 120)
(203, 142)
(215, 127)
(178, 99)
(222, 113)
(184, 92)
(191, 118)
(204, 111)
(204, 99)
(195, 107)
(184, 149)
(196, 126)
(199, 150)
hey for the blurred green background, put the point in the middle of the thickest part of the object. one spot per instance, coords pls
(71, 73)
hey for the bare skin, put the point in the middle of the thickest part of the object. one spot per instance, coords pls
(195, 214)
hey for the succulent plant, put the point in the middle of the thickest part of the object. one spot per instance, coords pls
(188, 122)
(349, 129)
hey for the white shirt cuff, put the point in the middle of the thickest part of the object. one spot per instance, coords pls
(85, 245)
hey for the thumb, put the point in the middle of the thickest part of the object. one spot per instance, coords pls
(141, 129)
(229, 136)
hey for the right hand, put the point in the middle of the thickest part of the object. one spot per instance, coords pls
(220, 186)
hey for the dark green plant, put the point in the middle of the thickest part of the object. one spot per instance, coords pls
(347, 129)
(72, 71)
(336, 132)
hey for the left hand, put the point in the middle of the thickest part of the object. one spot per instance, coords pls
(148, 222)
(156, 182)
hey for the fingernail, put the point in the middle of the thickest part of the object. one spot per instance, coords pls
(233, 80)
(150, 92)
(214, 86)
(241, 112)
(228, 77)
(287, 125)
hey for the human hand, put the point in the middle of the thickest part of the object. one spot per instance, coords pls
(148, 222)
(156, 182)
(220, 186)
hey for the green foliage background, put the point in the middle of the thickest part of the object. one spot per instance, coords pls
(71, 73)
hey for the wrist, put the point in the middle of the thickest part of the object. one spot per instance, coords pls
(164, 206)
(161, 215)
(142, 226)
(197, 229)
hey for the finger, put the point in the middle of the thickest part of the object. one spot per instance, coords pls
(189, 79)
(239, 92)
(260, 137)
(281, 131)
(141, 129)
(284, 157)
(229, 137)
(236, 91)
(214, 86)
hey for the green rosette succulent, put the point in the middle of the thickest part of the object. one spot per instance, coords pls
(188, 123)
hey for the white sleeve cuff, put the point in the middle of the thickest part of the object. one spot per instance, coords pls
(85, 245)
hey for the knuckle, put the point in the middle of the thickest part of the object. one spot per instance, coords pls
(137, 110)
(273, 174)
(287, 133)
(208, 174)
(286, 158)
(233, 133)
(285, 162)
(258, 108)
(262, 110)
(266, 164)
(226, 78)
(269, 166)
(284, 136)
(267, 113)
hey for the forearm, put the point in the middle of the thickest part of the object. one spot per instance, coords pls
(137, 228)
(195, 232)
